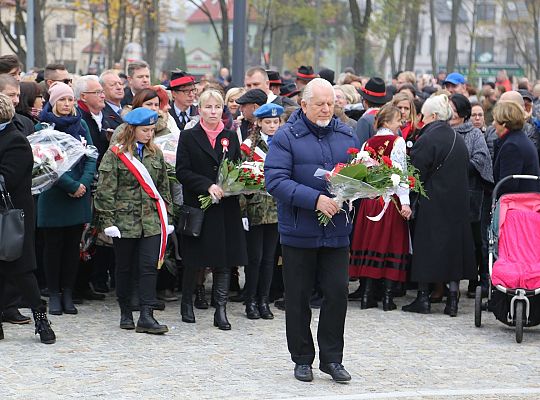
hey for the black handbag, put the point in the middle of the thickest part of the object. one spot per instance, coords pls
(11, 226)
(190, 221)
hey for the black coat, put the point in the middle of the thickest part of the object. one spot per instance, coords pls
(128, 97)
(111, 120)
(443, 243)
(222, 242)
(515, 154)
(23, 124)
(16, 163)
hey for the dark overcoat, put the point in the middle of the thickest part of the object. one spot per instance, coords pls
(222, 240)
(443, 243)
(16, 162)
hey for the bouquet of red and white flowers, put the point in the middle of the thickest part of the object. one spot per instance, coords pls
(237, 178)
(168, 145)
(368, 175)
(54, 154)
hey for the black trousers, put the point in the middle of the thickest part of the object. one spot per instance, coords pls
(301, 268)
(27, 285)
(261, 247)
(61, 256)
(103, 265)
(136, 256)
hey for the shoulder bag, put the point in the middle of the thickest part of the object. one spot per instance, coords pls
(415, 202)
(11, 226)
(190, 221)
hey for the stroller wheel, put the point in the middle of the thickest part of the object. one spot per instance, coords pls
(478, 307)
(519, 317)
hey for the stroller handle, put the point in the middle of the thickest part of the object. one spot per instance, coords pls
(507, 178)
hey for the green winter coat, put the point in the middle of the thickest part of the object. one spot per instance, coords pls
(261, 209)
(121, 201)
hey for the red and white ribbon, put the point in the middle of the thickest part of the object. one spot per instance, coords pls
(258, 154)
(142, 175)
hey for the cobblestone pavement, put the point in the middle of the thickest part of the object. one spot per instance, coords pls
(392, 355)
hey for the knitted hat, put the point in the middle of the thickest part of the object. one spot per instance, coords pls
(59, 90)
(7, 111)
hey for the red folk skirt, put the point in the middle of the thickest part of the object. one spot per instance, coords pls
(380, 250)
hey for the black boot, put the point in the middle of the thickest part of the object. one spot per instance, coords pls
(420, 305)
(388, 297)
(187, 313)
(221, 284)
(200, 298)
(367, 300)
(67, 302)
(252, 311)
(356, 295)
(189, 277)
(43, 327)
(1, 332)
(126, 317)
(55, 304)
(147, 323)
(451, 304)
(264, 308)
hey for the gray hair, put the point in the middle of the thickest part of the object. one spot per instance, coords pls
(317, 82)
(107, 73)
(438, 105)
(81, 85)
(7, 111)
(8, 80)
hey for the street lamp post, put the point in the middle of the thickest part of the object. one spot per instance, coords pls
(239, 42)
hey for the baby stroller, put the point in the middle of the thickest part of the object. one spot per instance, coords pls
(514, 260)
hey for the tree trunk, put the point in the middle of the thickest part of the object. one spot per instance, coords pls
(225, 60)
(92, 38)
(433, 40)
(360, 27)
(413, 35)
(452, 40)
(151, 22)
(536, 21)
(472, 37)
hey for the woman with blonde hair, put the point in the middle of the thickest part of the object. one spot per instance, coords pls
(221, 243)
(408, 121)
(230, 100)
(131, 203)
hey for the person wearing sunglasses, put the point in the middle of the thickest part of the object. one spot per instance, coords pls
(184, 94)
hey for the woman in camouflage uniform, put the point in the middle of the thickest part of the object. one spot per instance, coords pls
(262, 237)
(128, 215)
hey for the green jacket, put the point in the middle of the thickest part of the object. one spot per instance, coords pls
(261, 209)
(121, 201)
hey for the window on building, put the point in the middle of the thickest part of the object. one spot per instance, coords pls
(485, 11)
(66, 31)
(484, 49)
(71, 65)
(510, 51)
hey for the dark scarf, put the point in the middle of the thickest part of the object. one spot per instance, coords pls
(70, 124)
(316, 129)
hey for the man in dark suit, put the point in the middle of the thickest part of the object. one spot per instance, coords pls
(249, 102)
(114, 93)
(138, 79)
(184, 93)
(257, 78)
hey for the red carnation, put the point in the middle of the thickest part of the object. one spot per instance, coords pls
(352, 151)
(371, 151)
(412, 181)
(252, 176)
(387, 161)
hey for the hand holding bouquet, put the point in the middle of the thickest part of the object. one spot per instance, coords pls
(54, 154)
(368, 175)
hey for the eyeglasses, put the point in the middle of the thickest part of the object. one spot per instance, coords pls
(188, 91)
(477, 115)
(66, 81)
(96, 92)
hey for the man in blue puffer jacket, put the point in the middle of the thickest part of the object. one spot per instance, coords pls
(312, 138)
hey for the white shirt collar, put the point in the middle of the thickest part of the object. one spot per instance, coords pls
(264, 137)
(98, 118)
(114, 107)
(271, 97)
(178, 111)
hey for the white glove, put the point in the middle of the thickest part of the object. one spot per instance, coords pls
(170, 229)
(112, 231)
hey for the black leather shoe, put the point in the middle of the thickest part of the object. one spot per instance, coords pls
(451, 304)
(101, 288)
(337, 371)
(420, 305)
(186, 310)
(264, 309)
(252, 309)
(13, 316)
(89, 294)
(356, 295)
(303, 372)
(280, 304)
(200, 298)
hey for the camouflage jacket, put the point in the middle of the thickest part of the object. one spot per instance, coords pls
(121, 201)
(261, 209)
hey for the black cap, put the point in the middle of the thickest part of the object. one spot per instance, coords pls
(375, 91)
(289, 90)
(526, 94)
(274, 77)
(328, 75)
(253, 96)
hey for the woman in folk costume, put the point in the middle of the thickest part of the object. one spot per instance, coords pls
(380, 250)
(131, 201)
(262, 237)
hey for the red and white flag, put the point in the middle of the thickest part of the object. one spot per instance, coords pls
(258, 154)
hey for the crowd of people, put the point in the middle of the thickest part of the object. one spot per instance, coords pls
(128, 202)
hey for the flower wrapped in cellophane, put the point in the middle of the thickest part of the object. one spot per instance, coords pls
(368, 175)
(55, 153)
(237, 178)
(168, 145)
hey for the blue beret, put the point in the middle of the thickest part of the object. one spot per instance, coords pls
(269, 110)
(141, 117)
